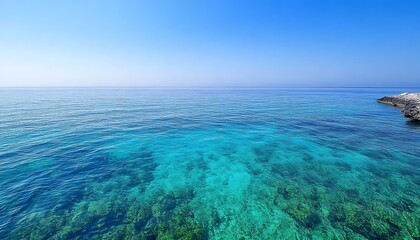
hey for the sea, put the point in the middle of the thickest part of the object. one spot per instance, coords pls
(207, 163)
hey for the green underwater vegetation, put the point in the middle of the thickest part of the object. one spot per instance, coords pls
(220, 188)
(109, 212)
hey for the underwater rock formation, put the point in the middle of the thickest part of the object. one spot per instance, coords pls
(409, 102)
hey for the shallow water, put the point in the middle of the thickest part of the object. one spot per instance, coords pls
(207, 164)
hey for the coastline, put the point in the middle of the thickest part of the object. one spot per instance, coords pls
(408, 102)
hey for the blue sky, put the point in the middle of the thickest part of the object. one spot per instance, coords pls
(289, 43)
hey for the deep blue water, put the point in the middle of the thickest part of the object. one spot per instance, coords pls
(207, 164)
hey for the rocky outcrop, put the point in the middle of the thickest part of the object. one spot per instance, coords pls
(409, 102)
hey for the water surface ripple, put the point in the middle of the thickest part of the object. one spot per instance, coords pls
(207, 164)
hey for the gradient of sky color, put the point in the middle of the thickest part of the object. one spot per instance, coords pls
(215, 43)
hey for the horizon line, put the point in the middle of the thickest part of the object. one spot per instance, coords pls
(191, 87)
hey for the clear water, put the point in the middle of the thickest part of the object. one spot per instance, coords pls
(207, 164)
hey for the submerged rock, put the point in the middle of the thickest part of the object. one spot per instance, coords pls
(409, 102)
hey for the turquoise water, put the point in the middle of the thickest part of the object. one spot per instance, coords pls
(207, 164)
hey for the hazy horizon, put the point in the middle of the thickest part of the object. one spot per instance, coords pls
(217, 44)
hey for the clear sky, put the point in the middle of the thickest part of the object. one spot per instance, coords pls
(214, 43)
